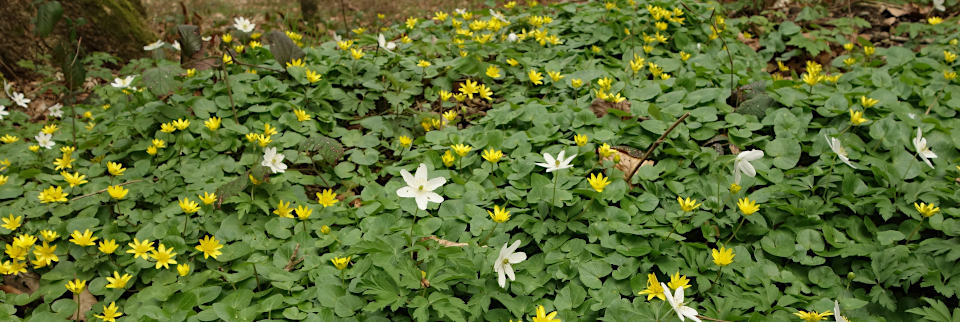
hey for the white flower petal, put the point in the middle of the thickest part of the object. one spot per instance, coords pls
(421, 201)
(509, 270)
(502, 279)
(434, 183)
(517, 257)
(405, 192)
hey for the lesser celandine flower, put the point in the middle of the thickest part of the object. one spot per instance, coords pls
(45, 255)
(812, 315)
(405, 141)
(183, 269)
(324, 229)
(869, 50)
(848, 46)
(303, 212)
(24, 241)
(74, 179)
(598, 182)
(747, 206)
(340, 262)
(723, 256)
(491, 155)
(461, 149)
(535, 77)
(688, 205)
(356, 53)
(207, 198)
(580, 139)
(118, 281)
(499, 215)
(576, 83)
(140, 248)
(312, 76)
(52, 194)
(926, 210)
(117, 191)
(210, 247)
(212, 124)
(48, 235)
(163, 256)
(11, 223)
(469, 88)
(423, 64)
(110, 313)
(302, 116)
(76, 286)
(448, 158)
(542, 315)
(450, 115)
(191, 72)
(167, 127)
(653, 288)
(283, 210)
(84, 239)
(181, 124)
(327, 198)
(934, 20)
(3, 179)
(555, 76)
(188, 206)
(493, 71)
(678, 281)
(949, 75)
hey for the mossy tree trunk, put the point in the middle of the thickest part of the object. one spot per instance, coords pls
(114, 26)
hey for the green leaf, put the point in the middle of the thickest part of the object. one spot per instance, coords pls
(282, 47)
(48, 14)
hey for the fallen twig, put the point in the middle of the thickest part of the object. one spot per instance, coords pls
(656, 144)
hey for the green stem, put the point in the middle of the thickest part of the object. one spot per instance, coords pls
(742, 219)
(720, 272)
(484, 242)
(412, 223)
(556, 180)
(915, 230)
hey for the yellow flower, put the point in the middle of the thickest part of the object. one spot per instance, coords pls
(723, 256)
(868, 102)
(411, 22)
(118, 281)
(850, 61)
(595, 49)
(283, 210)
(24, 241)
(263, 140)
(747, 206)
(576, 83)
(440, 16)
(678, 281)
(48, 235)
(949, 75)
(253, 43)
(461, 149)
(16, 253)
(140, 248)
(499, 215)
(684, 56)
(512, 62)
(163, 256)
(167, 127)
(301, 115)
(34, 148)
(183, 269)
(580, 139)
(84, 239)
(108, 246)
(654, 289)
(598, 181)
(181, 124)
(605, 151)
(448, 158)
(444, 95)
(110, 312)
(949, 56)
(423, 63)
(45, 254)
(207, 198)
(484, 92)
(869, 50)
(76, 286)
(327, 198)
(493, 71)
(688, 205)
(65, 162)
(191, 72)
(269, 130)
(117, 191)
(52, 194)
(450, 115)
(934, 20)
(848, 46)
(212, 124)
(116, 169)
(491, 155)
(49, 129)
(469, 88)
(542, 315)
(856, 117)
(460, 97)
(303, 212)
(356, 53)
(405, 141)
(345, 44)
(812, 315)
(226, 38)
(75, 179)
(151, 150)
(188, 206)
(3, 179)
(7, 138)
(606, 82)
(926, 210)
(811, 79)
(325, 229)
(555, 76)
(295, 63)
(210, 247)
(535, 77)
(253, 180)
(11, 223)
(159, 143)
(340, 262)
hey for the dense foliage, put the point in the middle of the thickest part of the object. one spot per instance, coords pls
(294, 187)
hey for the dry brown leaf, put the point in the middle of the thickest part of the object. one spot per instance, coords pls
(600, 107)
(897, 11)
(627, 162)
(444, 242)
(86, 301)
(752, 42)
(23, 283)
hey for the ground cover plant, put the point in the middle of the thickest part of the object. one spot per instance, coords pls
(618, 161)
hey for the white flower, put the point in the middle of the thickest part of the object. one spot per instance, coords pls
(498, 15)
(742, 164)
(920, 143)
(388, 46)
(3, 111)
(56, 110)
(460, 11)
(207, 38)
(556, 164)
(7, 87)
(19, 99)
(176, 45)
(153, 46)
(273, 160)
(44, 140)
(336, 37)
(504, 264)
(512, 37)
(836, 312)
(420, 188)
(243, 24)
(839, 150)
(676, 301)
(122, 82)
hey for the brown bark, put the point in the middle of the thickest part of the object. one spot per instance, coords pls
(114, 26)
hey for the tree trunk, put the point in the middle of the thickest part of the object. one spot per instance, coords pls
(113, 26)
